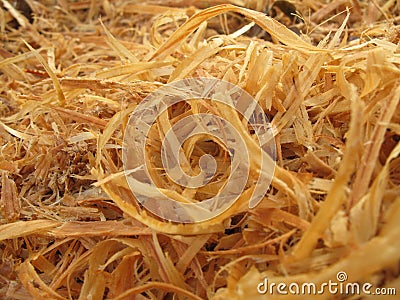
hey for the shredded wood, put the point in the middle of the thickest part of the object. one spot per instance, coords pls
(326, 73)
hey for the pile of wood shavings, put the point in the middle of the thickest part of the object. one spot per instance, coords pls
(72, 72)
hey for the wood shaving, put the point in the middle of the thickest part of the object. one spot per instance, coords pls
(72, 72)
